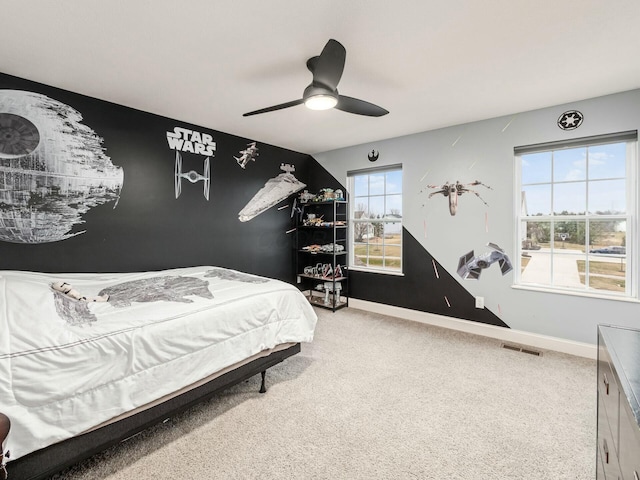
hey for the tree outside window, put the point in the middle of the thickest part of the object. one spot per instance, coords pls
(376, 219)
(577, 209)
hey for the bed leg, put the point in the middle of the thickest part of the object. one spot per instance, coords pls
(5, 426)
(263, 387)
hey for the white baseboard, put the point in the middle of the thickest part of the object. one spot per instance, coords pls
(519, 337)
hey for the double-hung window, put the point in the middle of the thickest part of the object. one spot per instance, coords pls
(576, 215)
(375, 203)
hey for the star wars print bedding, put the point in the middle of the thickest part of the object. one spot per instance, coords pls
(99, 345)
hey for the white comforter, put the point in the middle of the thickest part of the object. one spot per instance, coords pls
(62, 374)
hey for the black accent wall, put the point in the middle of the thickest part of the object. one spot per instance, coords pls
(150, 229)
(420, 288)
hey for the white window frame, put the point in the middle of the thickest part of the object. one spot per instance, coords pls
(353, 220)
(630, 216)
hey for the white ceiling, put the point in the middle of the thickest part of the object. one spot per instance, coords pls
(431, 63)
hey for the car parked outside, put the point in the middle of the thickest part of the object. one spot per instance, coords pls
(610, 250)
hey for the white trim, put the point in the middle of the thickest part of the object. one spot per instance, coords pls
(520, 337)
(630, 139)
(577, 293)
(374, 270)
(351, 177)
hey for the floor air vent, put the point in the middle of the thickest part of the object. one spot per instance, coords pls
(518, 348)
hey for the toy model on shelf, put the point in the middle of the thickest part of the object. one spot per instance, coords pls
(325, 195)
(321, 248)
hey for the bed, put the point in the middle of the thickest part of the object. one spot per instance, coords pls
(78, 375)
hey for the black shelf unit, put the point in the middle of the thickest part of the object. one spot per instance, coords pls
(316, 268)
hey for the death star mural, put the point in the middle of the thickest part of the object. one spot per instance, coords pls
(18, 136)
(53, 169)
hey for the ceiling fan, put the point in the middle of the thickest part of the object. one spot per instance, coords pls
(322, 93)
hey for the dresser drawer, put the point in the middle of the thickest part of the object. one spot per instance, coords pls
(609, 392)
(619, 380)
(599, 468)
(607, 456)
(629, 453)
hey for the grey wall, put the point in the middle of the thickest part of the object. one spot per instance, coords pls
(484, 151)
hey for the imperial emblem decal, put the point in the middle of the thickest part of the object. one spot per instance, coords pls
(570, 120)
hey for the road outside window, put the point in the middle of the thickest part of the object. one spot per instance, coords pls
(576, 215)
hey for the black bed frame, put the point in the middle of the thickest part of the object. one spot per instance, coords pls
(54, 458)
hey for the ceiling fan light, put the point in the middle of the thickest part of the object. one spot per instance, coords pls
(321, 102)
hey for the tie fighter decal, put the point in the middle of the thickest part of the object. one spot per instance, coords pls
(192, 176)
(470, 266)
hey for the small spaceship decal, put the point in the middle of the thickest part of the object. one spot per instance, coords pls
(470, 266)
(455, 190)
(249, 154)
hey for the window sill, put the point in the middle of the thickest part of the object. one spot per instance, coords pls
(575, 293)
(372, 270)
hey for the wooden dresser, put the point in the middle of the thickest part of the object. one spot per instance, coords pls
(618, 403)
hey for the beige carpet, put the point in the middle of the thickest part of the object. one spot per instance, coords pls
(380, 398)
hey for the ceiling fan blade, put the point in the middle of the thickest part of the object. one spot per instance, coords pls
(275, 107)
(359, 107)
(328, 67)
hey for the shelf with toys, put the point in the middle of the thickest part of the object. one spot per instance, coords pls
(322, 233)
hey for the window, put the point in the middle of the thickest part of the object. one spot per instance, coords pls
(376, 219)
(576, 215)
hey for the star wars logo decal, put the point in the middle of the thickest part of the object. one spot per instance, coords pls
(186, 140)
(570, 120)
(373, 155)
